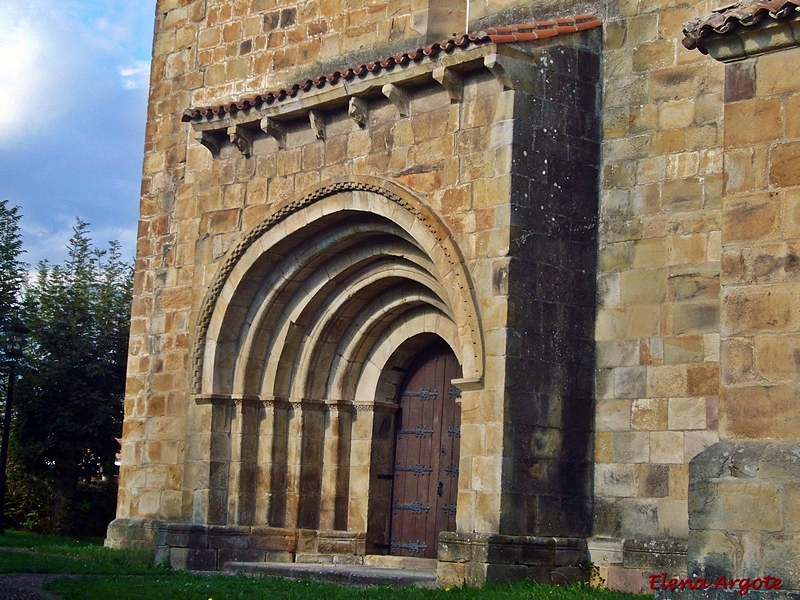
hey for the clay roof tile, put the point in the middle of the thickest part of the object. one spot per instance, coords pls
(744, 13)
(524, 32)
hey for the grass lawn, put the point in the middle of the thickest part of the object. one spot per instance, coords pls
(128, 575)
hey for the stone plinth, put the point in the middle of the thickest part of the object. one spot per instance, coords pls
(475, 558)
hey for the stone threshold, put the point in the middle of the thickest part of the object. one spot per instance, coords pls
(347, 574)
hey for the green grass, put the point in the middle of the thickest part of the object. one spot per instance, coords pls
(60, 554)
(224, 587)
(25, 539)
(103, 573)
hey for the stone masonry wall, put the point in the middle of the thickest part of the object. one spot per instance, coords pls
(657, 330)
(760, 261)
(247, 47)
(194, 208)
(661, 233)
(744, 490)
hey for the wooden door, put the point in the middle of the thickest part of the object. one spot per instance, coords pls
(426, 457)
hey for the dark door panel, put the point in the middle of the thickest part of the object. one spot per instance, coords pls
(426, 456)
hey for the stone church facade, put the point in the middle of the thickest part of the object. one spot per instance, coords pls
(508, 285)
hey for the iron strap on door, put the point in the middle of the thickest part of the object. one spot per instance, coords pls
(415, 507)
(423, 394)
(417, 469)
(420, 432)
(413, 546)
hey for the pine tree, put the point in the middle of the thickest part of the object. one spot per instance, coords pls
(71, 405)
(12, 269)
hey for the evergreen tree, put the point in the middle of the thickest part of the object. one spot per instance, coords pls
(71, 401)
(12, 269)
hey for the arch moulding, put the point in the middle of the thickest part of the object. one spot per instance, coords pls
(424, 227)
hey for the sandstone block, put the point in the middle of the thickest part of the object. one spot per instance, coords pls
(737, 506)
(649, 414)
(666, 447)
(630, 382)
(643, 286)
(613, 415)
(759, 412)
(616, 480)
(783, 158)
(758, 308)
(687, 413)
(751, 218)
(631, 447)
(684, 349)
(666, 381)
(740, 116)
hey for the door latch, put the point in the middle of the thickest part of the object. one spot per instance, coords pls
(440, 489)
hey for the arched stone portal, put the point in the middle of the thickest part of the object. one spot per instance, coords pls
(300, 349)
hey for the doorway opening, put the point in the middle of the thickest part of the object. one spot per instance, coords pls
(427, 440)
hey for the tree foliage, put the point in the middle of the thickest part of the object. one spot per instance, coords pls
(71, 398)
(12, 269)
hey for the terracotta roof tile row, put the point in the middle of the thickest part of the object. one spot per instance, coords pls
(536, 30)
(745, 12)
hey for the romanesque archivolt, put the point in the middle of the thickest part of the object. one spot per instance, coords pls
(315, 299)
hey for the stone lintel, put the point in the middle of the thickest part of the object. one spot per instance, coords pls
(766, 36)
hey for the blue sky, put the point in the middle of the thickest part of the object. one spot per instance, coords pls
(73, 92)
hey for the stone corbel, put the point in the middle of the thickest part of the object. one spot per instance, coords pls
(451, 81)
(212, 140)
(398, 97)
(275, 130)
(242, 138)
(317, 124)
(358, 110)
(509, 72)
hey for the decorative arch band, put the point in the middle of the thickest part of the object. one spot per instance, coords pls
(461, 292)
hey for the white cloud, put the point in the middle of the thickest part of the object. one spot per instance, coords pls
(26, 76)
(73, 87)
(136, 75)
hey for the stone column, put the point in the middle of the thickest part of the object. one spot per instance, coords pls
(270, 460)
(208, 458)
(244, 448)
(336, 466)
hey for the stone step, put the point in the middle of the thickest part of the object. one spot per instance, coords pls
(401, 562)
(356, 575)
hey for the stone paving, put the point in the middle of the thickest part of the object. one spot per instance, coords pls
(27, 587)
